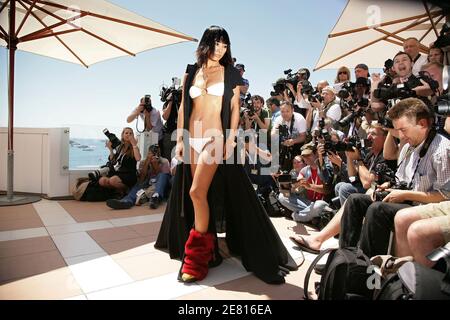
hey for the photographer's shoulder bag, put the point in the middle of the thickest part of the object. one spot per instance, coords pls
(414, 281)
(345, 275)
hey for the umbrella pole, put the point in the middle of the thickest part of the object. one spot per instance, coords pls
(12, 47)
(10, 199)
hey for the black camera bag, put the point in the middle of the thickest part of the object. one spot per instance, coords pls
(345, 275)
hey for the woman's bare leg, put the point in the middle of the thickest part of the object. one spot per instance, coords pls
(203, 174)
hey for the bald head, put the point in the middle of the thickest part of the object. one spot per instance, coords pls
(411, 47)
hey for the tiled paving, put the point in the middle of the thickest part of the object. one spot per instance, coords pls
(77, 250)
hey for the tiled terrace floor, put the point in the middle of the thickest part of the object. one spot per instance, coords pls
(78, 250)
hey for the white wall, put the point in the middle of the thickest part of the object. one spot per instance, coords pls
(41, 160)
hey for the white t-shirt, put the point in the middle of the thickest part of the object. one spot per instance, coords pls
(155, 120)
(419, 63)
(334, 113)
(298, 127)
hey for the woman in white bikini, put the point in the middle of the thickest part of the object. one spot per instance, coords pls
(207, 192)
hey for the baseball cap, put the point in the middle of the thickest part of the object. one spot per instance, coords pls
(308, 149)
(362, 66)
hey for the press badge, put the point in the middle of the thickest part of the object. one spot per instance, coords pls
(254, 171)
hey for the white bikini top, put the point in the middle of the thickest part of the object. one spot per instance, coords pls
(215, 90)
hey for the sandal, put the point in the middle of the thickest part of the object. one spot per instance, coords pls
(303, 245)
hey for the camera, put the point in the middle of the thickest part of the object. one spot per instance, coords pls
(283, 132)
(347, 90)
(308, 89)
(278, 87)
(443, 106)
(315, 96)
(362, 103)
(380, 195)
(404, 90)
(147, 102)
(291, 78)
(247, 106)
(349, 145)
(385, 174)
(115, 142)
(95, 175)
(172, 93)
(286, 179)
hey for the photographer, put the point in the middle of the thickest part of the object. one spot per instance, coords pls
(424, 167)
(291, 135)
(305, 209)
(123, 175)
(149, 115)
(329, 108)
(153, 171)
(256, 117)
(300, 91)
(361, 71)
(172, 98)
(244, 88)
(361, 171)
(404, 86)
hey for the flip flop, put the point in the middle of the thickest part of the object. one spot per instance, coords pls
(304, 245)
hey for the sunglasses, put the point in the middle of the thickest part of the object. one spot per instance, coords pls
(342, 72)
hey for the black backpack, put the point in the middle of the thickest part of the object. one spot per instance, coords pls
(345, 275)
(413, 281)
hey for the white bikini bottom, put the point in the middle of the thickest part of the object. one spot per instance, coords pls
(198, 144)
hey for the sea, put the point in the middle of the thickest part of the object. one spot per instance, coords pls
(87, 153)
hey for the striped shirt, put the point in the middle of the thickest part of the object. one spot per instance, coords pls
(433, 172)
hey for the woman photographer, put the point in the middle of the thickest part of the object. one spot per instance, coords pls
(206, 190)
(124, 159)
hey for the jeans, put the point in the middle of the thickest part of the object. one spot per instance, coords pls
(162, 184)
(344, 189)
(378, 219)
(303, 209)
(294, 202)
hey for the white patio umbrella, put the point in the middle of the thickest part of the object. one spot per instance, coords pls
(78, 31)
(372, 31)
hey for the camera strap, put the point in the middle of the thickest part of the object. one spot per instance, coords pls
(291, 127)
(423, 151)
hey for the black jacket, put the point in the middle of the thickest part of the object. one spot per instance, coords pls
(234, 206)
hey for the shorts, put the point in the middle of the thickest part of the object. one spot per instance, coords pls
(440, 213)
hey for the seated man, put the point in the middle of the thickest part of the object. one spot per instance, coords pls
(154, 170)
(424, 171)
(419, 230)
(361, 172)
(305, 209)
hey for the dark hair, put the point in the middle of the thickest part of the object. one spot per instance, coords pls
(207, 45)
(402, 52)
(412, 108)
(272, 100)
(154, 148)
(259, 98)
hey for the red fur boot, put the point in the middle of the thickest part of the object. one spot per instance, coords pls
(198, 251)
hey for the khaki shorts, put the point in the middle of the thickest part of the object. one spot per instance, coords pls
(440, 213)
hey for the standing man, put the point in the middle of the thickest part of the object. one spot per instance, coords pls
(246, 85)
(361, 71)
(411, 46)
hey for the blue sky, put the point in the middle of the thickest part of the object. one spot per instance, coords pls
(267, 36)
